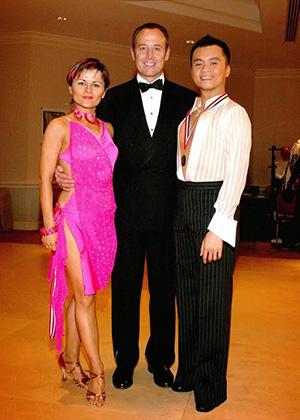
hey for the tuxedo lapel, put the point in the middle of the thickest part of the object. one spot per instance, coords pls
(137, 115)
(164, 110)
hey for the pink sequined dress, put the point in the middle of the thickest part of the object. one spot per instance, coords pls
(89, 214)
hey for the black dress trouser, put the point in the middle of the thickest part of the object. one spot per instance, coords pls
(127, 278)
(204, 295)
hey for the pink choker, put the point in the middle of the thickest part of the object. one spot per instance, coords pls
(91, 118)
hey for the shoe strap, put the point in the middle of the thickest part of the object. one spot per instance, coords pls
(76, 364)
(92, 394)
(93, 375)
(73, 363)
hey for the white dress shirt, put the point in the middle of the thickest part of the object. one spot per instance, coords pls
(151, 102)
(220, 152)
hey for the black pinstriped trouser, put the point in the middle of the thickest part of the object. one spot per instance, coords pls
(204, 295)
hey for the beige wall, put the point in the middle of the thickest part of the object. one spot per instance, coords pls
(14, 115)
(276, 117)
(34, 79)
(14, 135)
(240, 87)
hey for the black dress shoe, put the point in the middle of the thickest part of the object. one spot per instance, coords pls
(162, 376)
(122, 378)
(180, 388)
(206, 408)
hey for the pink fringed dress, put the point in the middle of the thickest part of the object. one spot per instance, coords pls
(89, 214)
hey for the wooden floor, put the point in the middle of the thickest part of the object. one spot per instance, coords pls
(264, 365)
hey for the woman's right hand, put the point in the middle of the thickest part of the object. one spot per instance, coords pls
(49, 241)
(64, 181)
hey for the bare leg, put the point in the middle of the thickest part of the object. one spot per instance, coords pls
(85, 316)
(72, 349)
(72, 336)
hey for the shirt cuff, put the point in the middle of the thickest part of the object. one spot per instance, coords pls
(223, 228)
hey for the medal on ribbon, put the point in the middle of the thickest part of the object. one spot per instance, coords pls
(189, 131)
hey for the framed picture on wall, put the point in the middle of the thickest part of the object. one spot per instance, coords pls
(49, 116)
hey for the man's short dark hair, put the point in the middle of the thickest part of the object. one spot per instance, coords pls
(207, 41)
(150, 25)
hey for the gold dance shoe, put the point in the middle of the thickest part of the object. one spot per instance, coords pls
(79, 382)
(92, 399)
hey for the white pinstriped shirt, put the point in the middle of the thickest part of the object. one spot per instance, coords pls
(220, 152)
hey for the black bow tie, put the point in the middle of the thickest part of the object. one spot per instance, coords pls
(158, 84)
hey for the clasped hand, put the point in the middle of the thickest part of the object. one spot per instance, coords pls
(211, 248)
(64, 181)
(49, 241)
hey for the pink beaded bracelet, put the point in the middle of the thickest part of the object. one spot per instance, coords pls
(49, 231)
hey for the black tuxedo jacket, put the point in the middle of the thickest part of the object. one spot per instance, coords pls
(145, 171)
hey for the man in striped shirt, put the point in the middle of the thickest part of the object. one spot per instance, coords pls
(214, 143)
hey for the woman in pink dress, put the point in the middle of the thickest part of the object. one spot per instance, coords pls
(80, 232)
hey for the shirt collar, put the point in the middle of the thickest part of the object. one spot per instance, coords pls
(198, 101)
(139, 78)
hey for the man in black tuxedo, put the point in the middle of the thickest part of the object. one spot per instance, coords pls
(145, 120)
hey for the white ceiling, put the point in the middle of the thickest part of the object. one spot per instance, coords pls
(253, 29)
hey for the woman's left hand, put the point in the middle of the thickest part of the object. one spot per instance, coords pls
(49, 241)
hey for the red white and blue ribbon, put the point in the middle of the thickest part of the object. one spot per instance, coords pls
(52, 318)
(187, 131)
